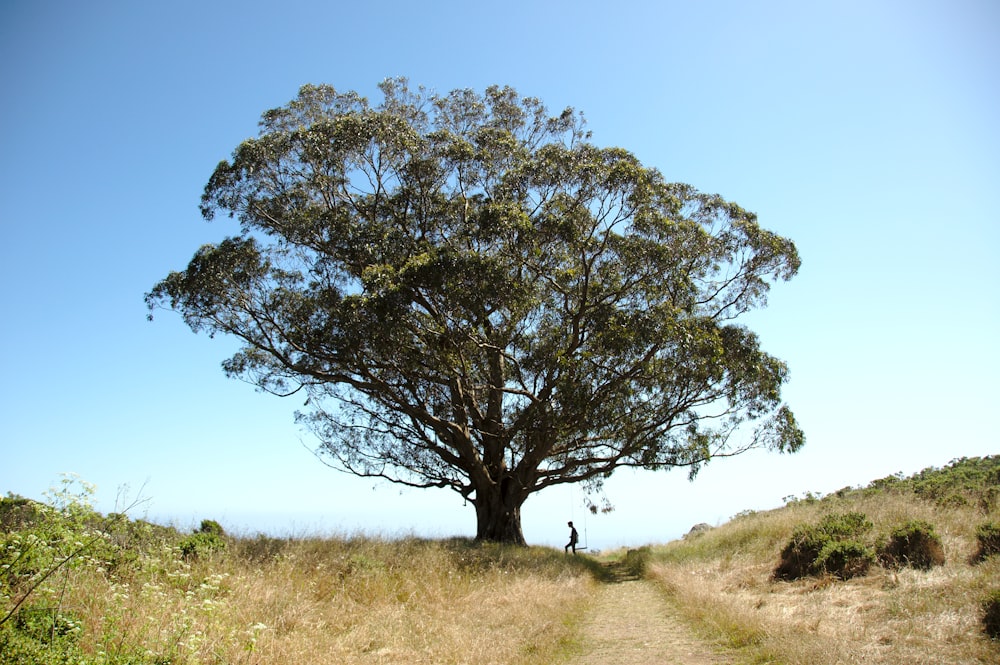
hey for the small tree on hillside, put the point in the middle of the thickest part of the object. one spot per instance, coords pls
(474, 296)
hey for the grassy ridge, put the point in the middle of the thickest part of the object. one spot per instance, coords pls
(83, 588)
(724, 579)
(109, 591)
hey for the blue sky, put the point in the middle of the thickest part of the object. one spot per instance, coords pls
(865, 131)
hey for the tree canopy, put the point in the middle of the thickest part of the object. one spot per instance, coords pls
(475, 296)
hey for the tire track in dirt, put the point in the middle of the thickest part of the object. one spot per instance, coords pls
(630, 623)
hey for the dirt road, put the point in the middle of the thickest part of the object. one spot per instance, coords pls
(631, 624)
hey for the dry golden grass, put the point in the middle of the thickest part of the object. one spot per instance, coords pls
(722, 581)
(134, 599)
(337, 601)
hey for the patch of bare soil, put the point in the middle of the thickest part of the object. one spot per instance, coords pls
(630, 623)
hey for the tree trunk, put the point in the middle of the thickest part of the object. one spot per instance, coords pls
(498, 517)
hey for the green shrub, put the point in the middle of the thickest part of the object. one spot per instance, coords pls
(201, 544)
(844, 559)
(20, 648)
(212, 527)
(988, 535)
(801, 555)
(208, 539)
(990, 495)
(44, 547)
(845, 525)
(16, 512)
(914, 544)
(965, 481)
(47, 625)
(46, 539)
(127, 541)
(991, 615)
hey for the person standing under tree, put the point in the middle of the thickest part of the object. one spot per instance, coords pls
(574, 538)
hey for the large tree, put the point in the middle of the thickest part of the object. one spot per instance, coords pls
(474, 296)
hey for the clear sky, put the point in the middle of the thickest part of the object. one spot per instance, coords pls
(868, 132)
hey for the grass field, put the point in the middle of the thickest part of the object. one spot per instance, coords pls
(724, 581)
(82, 588)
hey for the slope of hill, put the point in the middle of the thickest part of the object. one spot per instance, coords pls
(896, 572)
(80, 588)
(878, 608)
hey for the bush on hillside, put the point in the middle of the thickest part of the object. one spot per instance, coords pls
(207, 540)
(41, 545)
(801, 552)
(212, 527)
(845, 525)
(41, 635)
(991, 615)
(16, 512)
(844, 559)
(801, 556)
(914, 544)
(44, 539)
(966, 481)
(988, 535)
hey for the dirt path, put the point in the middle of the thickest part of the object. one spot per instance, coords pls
(631, 624)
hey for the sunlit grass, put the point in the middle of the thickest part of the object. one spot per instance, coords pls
(329, 600)
(83, 589)
(723, 582)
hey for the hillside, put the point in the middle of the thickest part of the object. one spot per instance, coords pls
(77, 587)
(822, 580)
(734, 584)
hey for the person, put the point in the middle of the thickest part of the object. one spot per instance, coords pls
(574, 538)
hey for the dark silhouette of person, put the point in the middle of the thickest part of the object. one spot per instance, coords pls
(574, 538)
